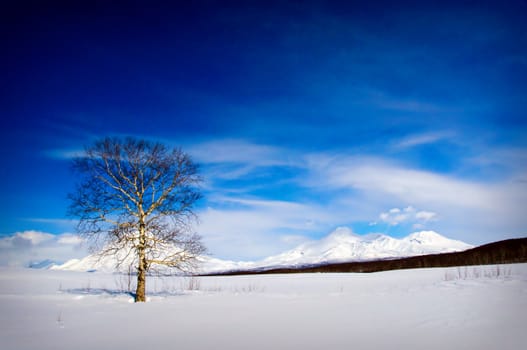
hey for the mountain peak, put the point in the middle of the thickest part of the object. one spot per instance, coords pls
(341, 234)
(426, 236)
(432, 238)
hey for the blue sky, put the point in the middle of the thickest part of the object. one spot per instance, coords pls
(305, 116)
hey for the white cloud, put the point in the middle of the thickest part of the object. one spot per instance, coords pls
(426, 216)
(423, 139)
(32, 237)
(69, 239)
(396, 216)
(23, 248)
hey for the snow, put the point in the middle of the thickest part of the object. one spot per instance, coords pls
(340, 245)
(481, 307)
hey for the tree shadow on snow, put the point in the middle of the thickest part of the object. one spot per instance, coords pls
(98, 291)
(116, 292)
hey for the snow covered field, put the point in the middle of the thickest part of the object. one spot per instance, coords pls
(445, 308)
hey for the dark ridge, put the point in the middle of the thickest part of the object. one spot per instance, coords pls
(503, 252)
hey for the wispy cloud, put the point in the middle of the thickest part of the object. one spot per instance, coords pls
(233, 159)
(377, 175)
(64, 154)
(423, 139)
(237, 151)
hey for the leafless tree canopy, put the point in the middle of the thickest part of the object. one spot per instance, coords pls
(137, 197)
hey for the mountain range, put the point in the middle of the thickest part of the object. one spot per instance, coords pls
(342, 245)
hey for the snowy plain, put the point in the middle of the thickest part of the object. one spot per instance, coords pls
(480, 307)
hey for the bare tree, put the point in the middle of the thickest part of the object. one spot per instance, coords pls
(135, 201)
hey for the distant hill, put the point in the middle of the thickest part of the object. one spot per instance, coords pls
(503, 252)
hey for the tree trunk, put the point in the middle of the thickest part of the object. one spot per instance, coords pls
(140, 293)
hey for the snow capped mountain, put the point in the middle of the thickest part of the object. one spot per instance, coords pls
(343, 245)
(339, 246)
